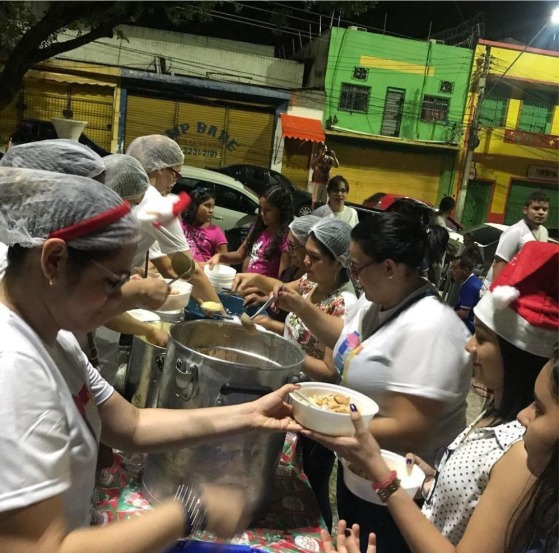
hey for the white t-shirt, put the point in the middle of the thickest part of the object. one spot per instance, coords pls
(157, 241)
(50, 428)
(418, 353)
(513, 240)
(347, 215)
(464, 474)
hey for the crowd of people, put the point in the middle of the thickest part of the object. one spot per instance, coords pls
(82, 236)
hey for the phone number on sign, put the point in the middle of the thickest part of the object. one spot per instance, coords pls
(201, 152)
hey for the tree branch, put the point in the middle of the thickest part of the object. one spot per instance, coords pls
(103, 30)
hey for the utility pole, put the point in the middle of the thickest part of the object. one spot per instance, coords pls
(472, 140)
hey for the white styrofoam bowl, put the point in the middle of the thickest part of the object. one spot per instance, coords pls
(411, 480)
(328, 422)
(177, 300)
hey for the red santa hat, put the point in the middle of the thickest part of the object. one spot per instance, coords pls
(522, 304)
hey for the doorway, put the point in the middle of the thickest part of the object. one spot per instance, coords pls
(393, 109)
(478, 199)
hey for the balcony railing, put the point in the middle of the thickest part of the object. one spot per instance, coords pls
(535, 140)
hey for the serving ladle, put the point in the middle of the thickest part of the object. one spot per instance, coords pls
(183, 265)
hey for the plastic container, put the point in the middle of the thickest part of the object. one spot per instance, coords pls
(193, 546)
(179, 296)
(329, 422)
(221, 276)
(361, 487)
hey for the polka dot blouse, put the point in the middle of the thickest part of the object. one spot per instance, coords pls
(464, 473)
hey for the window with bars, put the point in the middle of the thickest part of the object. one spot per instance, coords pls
(434, 108)
(493, 111)
(536, 116)
(354, 98)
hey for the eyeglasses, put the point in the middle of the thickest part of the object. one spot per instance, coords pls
(117, 280)
(354, 270)
(342, 191)
(430, 481)
(176, 174)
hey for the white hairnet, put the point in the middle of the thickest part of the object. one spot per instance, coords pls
(301, 226)
(155, 151)
(335, 236)
(34, 204)
(125, 175)
(58, 155)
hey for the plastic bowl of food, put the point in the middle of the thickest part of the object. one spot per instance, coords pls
(324, 408)
(411, 478)
(178, 297)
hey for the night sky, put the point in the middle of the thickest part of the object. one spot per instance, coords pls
(500, 20)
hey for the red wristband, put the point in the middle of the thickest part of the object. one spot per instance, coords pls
(381, 485)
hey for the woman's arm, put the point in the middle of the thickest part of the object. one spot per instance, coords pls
(131, 429)
(326, 328)
(487, 528)
(321, 370)
(285, 261)
(126, 324)
(229, 258)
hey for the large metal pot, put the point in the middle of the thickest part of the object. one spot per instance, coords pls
(214, 363)
(145, 367)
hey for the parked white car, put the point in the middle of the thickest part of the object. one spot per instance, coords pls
(236, 205)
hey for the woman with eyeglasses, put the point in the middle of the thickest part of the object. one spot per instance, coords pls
(204, 238)
(71, 244)
(401, 346)
(337, 190)
(476, 497)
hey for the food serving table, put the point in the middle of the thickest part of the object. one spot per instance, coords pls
(291, 524)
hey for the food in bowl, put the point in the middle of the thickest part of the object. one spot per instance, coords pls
(325, 421)
(337, 403)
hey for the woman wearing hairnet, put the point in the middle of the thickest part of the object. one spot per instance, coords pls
(327, 286)
(162, 158)
(71, 243)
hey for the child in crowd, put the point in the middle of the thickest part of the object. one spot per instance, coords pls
(203, 238)
(265, 250)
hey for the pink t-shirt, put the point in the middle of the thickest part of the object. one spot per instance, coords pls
(203, 242)
(257, 263)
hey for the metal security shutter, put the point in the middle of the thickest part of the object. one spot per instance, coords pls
(253, 133)
(296, 160)
(94, 104)
(519, 191)
(147, 116)
(201, 138)
(209, 135)
(369, 170)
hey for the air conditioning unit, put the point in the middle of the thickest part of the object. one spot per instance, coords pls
(360, 73)
(435, 41)
(356, 28)
(446, 87)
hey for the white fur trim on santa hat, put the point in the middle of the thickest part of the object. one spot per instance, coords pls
(503, 296)
(510, 326)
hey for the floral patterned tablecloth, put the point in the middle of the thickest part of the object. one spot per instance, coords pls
(292, 523)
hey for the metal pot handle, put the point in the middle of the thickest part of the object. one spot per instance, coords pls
(160, 361)
(186, 379)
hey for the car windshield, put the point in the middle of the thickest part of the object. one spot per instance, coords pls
(486, 235)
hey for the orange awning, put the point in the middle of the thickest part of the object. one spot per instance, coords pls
(302, 128)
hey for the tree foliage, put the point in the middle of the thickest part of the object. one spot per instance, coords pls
(30, 32)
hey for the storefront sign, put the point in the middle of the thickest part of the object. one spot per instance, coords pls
(202, 140)
(543, 172)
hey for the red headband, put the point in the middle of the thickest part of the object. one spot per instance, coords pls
(93, 224)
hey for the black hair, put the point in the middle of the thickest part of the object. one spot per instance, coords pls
(198, 197)
(447, 204)
(334, 183)
(536, 196)
(521, 369)
(343, 275)
(280, 198)
(535, 523)
(466, 263)
(403, 239)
